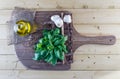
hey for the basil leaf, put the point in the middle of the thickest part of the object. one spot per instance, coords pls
(49, 36)
(50, 47)
(56, 31)
(54, 61)
(39, 45)
(45, 54)
(37, 56)
(60, 47)
(57, 42)
(45, 32)
(37, 51)
(65, 38)
(64, 48)
(62, 56)
(49, 58)
(41, 41)
(57, 53)
(42, 52)
(54, 40)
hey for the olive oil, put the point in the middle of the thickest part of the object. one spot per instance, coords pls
(22, 28)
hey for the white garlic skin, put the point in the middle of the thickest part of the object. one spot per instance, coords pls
(57, 20)
(67, 19)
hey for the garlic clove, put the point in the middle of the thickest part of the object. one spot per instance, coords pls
(57, 20)
(67, 19)
(54, 17)
(59, 23)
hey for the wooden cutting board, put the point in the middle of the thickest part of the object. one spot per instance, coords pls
(26, 53)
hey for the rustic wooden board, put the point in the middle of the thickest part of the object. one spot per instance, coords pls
(25, 54)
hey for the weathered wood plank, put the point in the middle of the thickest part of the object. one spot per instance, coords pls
(80, 16)
(55, 75)
(106, 75)
(5, 16)
(96, 62)
(71, 74)
(96, 29)
(4, 32)
(27, 4)
(96, 16)
(8, 74)
(5, 49)
(8, 61)
(93, 4)
(31, 74)
(99, 49)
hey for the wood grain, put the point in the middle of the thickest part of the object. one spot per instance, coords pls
(23, 74)
(96, 62)
(80, 16)
(28, 74)
(84, 4)
(99, 49)
(5, 49)
(8, 62)
(98, 29)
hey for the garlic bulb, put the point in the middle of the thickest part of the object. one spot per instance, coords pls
(67, 19)
(57, 20)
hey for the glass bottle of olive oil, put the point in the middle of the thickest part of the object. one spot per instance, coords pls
(23, 28)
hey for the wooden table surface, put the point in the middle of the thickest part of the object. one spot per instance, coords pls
(90, 18)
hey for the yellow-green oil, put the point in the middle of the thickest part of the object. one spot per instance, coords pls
(22, 28)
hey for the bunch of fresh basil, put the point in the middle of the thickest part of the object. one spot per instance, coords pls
(51, 47)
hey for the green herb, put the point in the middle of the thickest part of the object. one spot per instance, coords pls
(51, 47)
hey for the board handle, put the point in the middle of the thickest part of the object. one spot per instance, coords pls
(104, 40)
(79, 40)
